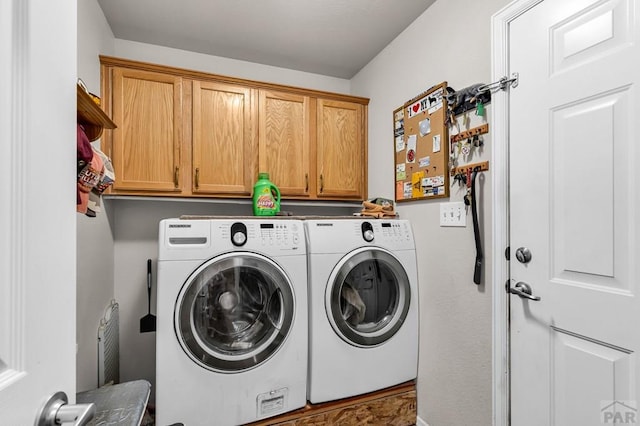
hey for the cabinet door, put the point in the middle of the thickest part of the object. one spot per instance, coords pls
(341, 151)
(284, 141)
(223, 153)
(146, 145)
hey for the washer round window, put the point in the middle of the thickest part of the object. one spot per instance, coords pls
(368, 297)
(234, 312)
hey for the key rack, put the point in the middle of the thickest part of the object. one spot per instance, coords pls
(476, 131)
(468, 168)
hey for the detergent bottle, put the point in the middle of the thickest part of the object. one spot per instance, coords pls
(266, 197)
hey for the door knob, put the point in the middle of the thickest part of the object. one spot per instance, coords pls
(56, 411)
(523, 255)
(523, 290)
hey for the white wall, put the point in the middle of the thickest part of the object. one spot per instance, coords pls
(229, 67)
(449, 42)
(94, 235)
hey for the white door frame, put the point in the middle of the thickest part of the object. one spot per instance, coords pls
(13, 175)
(500, 206)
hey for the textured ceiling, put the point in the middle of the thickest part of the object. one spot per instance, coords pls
(329, 37)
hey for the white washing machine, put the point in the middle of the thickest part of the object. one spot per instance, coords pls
(231, 344)
(363, 306)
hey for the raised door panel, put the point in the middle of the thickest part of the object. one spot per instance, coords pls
(146, 145)
(341, 154)
(284, 141)
(223, 153)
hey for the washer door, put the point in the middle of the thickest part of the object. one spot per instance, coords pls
(367, 297)
(234, 312)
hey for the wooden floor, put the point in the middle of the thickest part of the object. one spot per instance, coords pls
(395, 406)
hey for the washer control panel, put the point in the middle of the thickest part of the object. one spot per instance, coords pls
(261, 234)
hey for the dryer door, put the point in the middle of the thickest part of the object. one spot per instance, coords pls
(234, 312)
(368, 297)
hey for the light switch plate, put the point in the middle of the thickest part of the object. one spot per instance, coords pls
(453, 214)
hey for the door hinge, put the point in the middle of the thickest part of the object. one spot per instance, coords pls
(507, 253)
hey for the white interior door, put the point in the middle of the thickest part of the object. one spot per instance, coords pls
(37, 205)
(575, 204)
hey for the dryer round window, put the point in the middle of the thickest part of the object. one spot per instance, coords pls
(234, 312)
(368, 297)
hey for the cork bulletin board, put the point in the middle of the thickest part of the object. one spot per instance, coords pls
(421, 146)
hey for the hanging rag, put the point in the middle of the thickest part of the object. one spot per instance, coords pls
(106, 179)
(89, 177)
(84, 155)
(355, 309)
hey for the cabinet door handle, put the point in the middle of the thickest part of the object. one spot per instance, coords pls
(197, 177)
(321, 183)
(306, 182)
(176, 174)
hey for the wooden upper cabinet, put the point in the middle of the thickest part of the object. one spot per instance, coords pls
(284, 150)
(146, 146)
(341, 150)
(222, 142)
(184, 133)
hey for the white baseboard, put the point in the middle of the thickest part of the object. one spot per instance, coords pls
(420, 422)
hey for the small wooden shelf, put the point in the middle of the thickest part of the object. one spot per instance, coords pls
(92, 118)
(392, 406)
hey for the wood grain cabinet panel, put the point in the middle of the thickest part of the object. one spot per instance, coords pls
(284, 141)
(341, 150)
(221, 139)
(193, 134)
(146, 145)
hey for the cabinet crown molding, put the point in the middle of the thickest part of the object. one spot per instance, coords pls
(111, 61)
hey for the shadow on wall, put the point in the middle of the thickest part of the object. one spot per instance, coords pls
(135, 220)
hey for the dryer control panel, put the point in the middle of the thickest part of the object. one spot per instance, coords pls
(328, 236)
(394, 230)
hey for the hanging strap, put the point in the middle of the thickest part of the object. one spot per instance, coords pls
(477, 271)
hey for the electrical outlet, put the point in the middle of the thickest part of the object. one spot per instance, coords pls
(453, 214)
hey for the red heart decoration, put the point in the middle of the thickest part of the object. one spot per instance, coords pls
(416, 107)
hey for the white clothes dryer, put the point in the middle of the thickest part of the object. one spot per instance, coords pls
(231, 344)
(363, 306)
